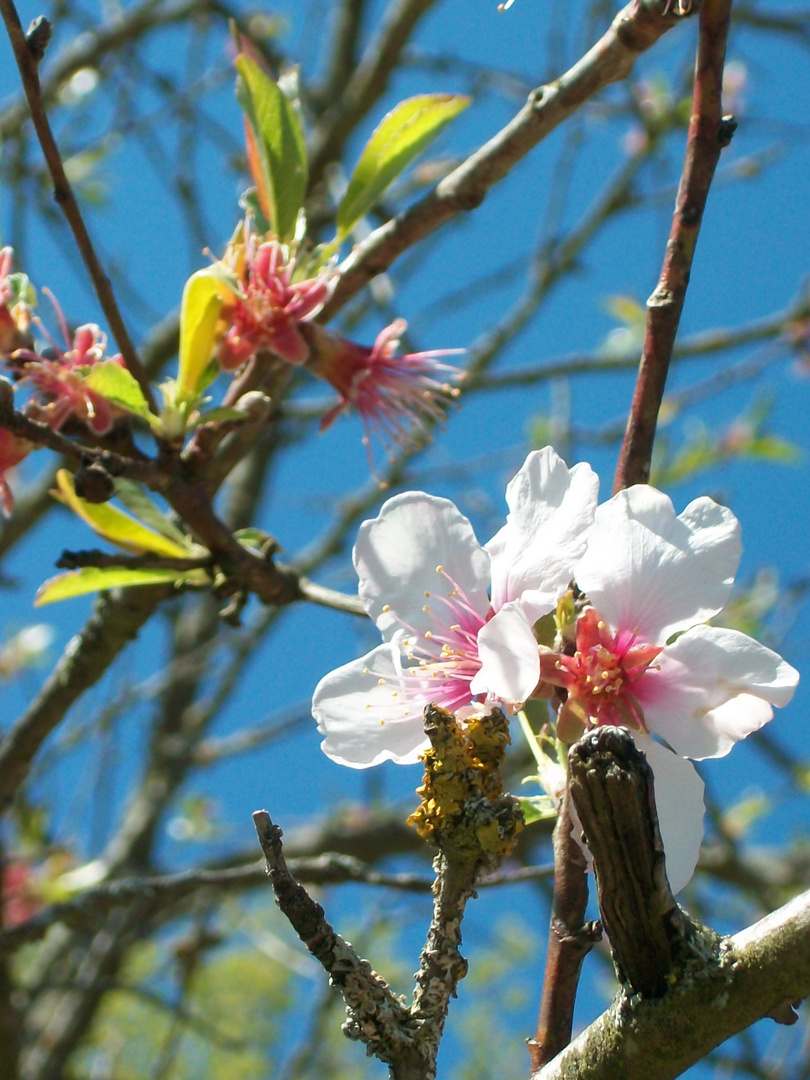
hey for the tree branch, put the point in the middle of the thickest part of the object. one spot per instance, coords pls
(635, 29)
(28, 64)
(751, 976)
(709, 132)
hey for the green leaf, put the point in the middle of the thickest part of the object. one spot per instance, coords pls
(400, 137)
(95, 578)
(138, 502)
(199, 312)
(537, 808)
(114, 525)
(119, 386)
(279, 142)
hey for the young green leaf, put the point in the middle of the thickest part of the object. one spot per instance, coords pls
(95, 578)
(199, 312)
(401, 136)
(279, 145)
(114, 525)
(138, 503)
(117, 385)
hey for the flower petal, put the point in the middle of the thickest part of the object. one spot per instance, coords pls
(363, 722)
(508, 650)
(679, 801)
(651, 572)
(715, 687)
(397, 555)
(550, 510)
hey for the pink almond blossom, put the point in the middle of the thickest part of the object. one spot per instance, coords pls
(60, 380)
(425, 581)
(644, 658)
(272, 305)
(397, 395)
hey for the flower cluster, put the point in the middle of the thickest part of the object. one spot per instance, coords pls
(271, 305)
(632, 586)
(271, 308)
(59, 377)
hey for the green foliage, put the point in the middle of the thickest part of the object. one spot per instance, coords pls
(400, 137)
(96, 579)
(746, 438)
(199, 312)
(232, 1014)
(121, 529)
(279, 145)
(118, 386)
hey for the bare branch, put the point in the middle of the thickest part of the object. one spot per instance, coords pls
(750, 977)
(28, 64)
(635, 29)
(708, 133)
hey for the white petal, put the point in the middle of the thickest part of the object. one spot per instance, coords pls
(363, 722)
(550, 510)
(647, 570)
(715, 687)
(397, 554)
(510, 665)
(679, 801)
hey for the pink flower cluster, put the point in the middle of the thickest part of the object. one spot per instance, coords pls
(271, 307)
(57, 376)
(395, 395)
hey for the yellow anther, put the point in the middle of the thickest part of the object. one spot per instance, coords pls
(380, 682)
(386, 607)
(439, 569)
(427, 593)
(428, 634)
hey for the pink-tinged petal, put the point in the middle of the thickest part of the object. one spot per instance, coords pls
(715, 687)
(418, 560)
(510, 664)
(653, 573)
(286, 341)
(362, 715)
(550, 511)
(679, 801)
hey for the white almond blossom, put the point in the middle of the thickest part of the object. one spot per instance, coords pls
(646, 660)
(426, 582)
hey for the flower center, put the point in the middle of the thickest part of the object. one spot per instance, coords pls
(603, 674)
(443, 657)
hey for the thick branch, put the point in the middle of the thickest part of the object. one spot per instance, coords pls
(612, 789)
(708, 133)
(751, 977)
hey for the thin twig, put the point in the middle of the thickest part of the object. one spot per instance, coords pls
(28, 64)
(570, 940)
(708, 133)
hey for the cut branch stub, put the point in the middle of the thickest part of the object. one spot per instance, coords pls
(612, 789)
